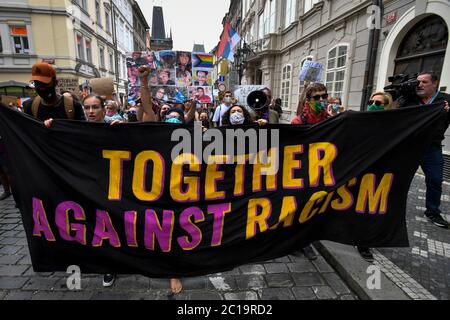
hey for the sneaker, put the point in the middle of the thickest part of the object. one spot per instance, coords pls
(309, 253)
(439, 221)
(5, 195)
(108, 279)
(366, 254)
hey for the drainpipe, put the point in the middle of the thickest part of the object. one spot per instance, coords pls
(113, 19)
(372, 51)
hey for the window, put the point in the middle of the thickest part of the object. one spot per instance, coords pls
(88, 51)
(19, 37)
(261, 27)
(107, 21)
(1, 45)
(286, 86)
(309, 4)
(111, 62)
(83, 4)
(290, 12)
(269, 17)
(80, 49)
(336, 69)
(97, 12)
(102, 57)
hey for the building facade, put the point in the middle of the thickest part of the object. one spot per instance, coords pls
(283, 34)
(73, 35)
(159, 40)
(141, 35)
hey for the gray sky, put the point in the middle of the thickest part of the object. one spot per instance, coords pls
(188, 27)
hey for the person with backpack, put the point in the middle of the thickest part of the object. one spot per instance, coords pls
(49, 104)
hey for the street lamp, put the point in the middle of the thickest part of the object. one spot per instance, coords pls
(240, 58)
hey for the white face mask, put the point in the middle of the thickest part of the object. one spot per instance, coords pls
(237, 118)
(227, 100)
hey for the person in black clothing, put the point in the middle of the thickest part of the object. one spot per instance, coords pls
(49, 104)
(432, 162)
(277, 106)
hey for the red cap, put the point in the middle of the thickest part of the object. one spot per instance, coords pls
(43, 72)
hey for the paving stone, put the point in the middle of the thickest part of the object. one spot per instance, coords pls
(196, 283)
(38, 283)
(10, 249)
(204, 295)
(77, 295)
(222, 283)
(252, 269)
(142, 296)
(12, 271)
(25, 260)
(276, 294)
(324, 293)
(283, 260)
(279, 280)
(301, 266)
(347, 297)
(10, 259)
(250, 282)
(322, 265)
(303, 293)
(160, 284)
(307, 279)
(336, 283)
(21, 242)
(132, 283)
(9, 233)
(19, 295)
(110, 296)
(2, 294)
(242, 295)
(12, 282)
(7, 227)
(8, 241)
(276, 268)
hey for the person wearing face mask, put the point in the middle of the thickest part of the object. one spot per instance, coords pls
(224, 107)
(380, 101)
(334, 106)
(312, 110)
(237, 115)
(49, 104)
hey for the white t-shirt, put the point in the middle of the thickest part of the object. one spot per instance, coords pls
(220, 111)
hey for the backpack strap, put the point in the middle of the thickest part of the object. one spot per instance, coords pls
(68, 105)
(35, 106)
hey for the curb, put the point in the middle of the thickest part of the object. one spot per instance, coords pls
(353, 270)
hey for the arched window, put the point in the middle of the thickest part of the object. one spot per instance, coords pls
(423, 48)
(286, 77)
(336, 70)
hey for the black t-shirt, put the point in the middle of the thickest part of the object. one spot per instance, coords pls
(54, 112)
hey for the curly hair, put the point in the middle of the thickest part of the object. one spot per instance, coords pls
(226, 117)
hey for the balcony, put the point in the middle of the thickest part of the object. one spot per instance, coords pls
(265, 46)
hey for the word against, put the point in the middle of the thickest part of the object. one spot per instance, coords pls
(374, 280)
(74, 281)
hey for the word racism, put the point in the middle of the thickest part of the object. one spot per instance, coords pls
(129, 206)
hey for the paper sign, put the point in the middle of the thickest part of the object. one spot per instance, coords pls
(68, 84)
(103, 87)
(9, 99)
(311, 71)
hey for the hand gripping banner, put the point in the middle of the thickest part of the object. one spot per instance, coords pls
(147, 199)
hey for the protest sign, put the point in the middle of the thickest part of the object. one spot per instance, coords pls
(132, 205)
(311, 71)
(103, 87)
(8, 99)
(68, 84)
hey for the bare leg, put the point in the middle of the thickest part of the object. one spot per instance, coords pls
(176, 286)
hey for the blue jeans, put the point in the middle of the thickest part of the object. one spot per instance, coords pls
(433, 168)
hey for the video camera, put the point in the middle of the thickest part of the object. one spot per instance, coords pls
(404, 86)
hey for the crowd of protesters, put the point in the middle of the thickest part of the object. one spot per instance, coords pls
(314, 107)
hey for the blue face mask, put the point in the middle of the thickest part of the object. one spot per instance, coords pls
(174, 120)
(335, 107)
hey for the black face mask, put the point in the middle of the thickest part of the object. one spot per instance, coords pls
(47, 94)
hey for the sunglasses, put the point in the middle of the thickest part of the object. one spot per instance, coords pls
(324, 97)
(377, 103)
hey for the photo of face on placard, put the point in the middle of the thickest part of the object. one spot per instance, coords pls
(184, 69)
(170, 94)
(166, 77)
(202, 78)
(201, 94)
(167, 59)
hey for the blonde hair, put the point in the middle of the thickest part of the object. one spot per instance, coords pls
(388, 101)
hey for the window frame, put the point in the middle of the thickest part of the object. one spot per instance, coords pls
(290, 12)
(23, 39)
(310, 4)
(286, 95)
(337, 69)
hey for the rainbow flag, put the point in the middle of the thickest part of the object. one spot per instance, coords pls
(202, 60)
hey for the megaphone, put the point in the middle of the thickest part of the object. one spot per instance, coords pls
(257, 100)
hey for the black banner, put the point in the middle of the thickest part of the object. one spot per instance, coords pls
(114, 198)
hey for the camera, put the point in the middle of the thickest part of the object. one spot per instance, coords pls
(403, 85)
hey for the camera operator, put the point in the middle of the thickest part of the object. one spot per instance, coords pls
(433, 162)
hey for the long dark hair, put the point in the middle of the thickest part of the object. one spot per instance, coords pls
(226, 116)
